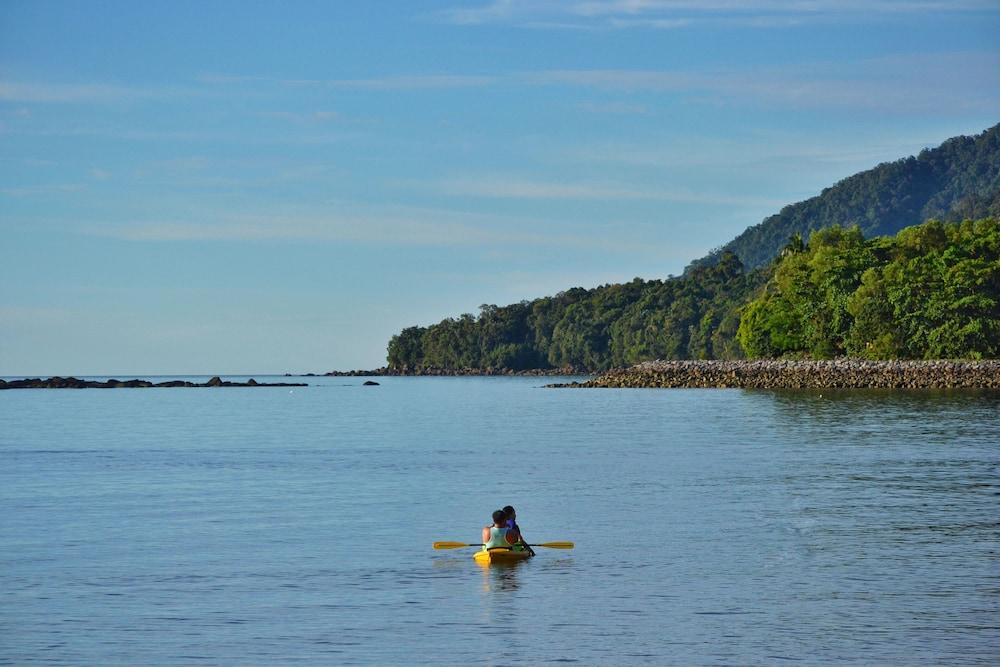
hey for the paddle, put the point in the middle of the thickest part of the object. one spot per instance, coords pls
(460, 545)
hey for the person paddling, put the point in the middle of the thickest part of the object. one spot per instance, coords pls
(512, 524)
(499, 535)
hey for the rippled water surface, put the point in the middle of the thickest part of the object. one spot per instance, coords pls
(713, 527)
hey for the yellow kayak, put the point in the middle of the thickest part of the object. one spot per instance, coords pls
(500, 556)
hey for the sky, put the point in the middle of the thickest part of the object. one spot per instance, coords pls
(267, 187)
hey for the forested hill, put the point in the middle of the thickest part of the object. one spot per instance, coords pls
(694, 316)
(958, 180)
(746, 300)
(931, 291)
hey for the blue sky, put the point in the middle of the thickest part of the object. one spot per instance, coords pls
(253, 187)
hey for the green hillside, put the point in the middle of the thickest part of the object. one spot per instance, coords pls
(855, 288)
(695, 316)
(958, 180)
(931, 291)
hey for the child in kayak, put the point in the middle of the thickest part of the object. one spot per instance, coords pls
(512, 523)
(500, 535)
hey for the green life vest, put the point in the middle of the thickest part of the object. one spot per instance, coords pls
(498, 538)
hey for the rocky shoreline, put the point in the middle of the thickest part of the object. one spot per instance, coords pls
(781, 374)
(385, 371)
(76, 383)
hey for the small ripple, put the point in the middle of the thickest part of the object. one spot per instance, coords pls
(726, 613)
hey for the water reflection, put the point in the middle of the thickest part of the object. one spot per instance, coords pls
(875, 416)
(909, 403)
(500, 577)
(452, 564)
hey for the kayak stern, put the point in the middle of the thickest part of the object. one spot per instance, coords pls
(500, 556)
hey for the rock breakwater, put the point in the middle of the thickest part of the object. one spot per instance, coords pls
(455, 372)
(781, 374)
(76, 383)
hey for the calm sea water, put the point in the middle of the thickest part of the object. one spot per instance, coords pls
(713, 527)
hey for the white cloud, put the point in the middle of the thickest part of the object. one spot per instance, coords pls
(498, 10)
(505, 187)
(673, 14)
(19, 316)
(414, 82)
(902, 84)
(392, 82)
(64, 93)
(395, 226)
(621, 108)
(743, 153)
(301, 118)
(42, 190)
(655, 23)
(615, 79)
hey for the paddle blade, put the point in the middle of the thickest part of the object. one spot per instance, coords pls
(555, 545)
(453, 545)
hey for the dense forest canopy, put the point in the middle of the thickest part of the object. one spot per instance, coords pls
(958, 180)
(613, 325)
(930, 291)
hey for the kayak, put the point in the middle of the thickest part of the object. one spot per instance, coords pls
(500, 556)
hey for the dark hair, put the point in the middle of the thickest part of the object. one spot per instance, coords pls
(499, 516)
(508, 510)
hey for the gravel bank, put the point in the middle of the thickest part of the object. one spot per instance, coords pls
(458, 372)
(775, 374)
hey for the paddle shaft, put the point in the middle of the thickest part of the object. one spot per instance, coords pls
(460, 545)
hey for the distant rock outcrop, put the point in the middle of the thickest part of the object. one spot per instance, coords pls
(76, 383)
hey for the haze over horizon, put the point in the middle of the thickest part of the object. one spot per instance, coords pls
(234, 189)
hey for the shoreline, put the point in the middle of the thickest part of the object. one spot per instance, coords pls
(781, 374)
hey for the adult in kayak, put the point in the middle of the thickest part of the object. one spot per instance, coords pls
(500, 535)
(512, 523)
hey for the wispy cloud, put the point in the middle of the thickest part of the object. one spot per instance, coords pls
(741, 153)
(616, 79)
(102, 93)
(404, 226)
(518, 188)
(903, 84)
(301, 118)
(655, 23)
(674, 14)
(618, 108)
(21, 316)
(430, 81)
(414, 82)
(493, 12)
(42, 190)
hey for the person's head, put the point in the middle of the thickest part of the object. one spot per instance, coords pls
(499, 517)
(509, 511)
